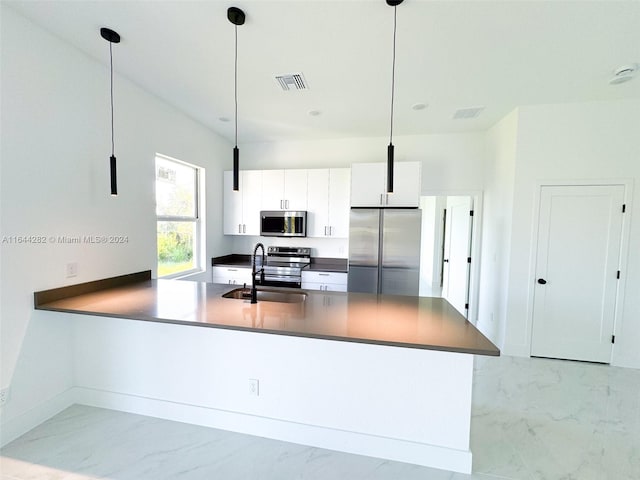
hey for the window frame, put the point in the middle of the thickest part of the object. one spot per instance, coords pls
(198, 243)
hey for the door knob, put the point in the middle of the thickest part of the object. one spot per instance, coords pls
(542, 281)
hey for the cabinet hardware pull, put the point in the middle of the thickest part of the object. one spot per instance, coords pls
(381, 203)
(244, 228)
(324, 274)
(325, 230)
(330, 231)
(239, 228)
(286, 204)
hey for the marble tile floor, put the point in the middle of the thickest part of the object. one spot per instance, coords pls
(532, 419)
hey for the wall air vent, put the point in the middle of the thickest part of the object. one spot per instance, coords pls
(292, 81)
(465, 113)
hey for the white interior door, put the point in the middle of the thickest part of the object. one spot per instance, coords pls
(457, 251)
(577, 261)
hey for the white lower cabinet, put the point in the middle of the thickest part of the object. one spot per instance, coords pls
(326, 281)
(231, 275)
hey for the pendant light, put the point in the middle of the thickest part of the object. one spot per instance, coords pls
(111, 37)
(236, 16)
(390, 148)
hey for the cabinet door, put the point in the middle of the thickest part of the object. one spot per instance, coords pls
(367, 184)
(251, 198)
(406, 185)
(232, 207)
(339, 183)
(272, 190)
(295, 189)
(318, 203)
(334, 287)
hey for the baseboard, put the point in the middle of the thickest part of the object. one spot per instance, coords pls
(311, 435)
(512, 350)
(21, 424)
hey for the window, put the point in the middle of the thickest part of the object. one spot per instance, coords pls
(178, 222)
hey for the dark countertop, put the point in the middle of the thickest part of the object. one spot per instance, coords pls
(318, 264)
(233, 260)
(413, 322)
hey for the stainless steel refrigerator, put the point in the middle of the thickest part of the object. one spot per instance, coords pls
(384, 250)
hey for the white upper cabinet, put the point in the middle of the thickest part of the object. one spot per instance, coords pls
(232, 211)
(318, 203)
(241, 212)
(339, 188)
(328, 203)
(284, 190)
(369, 185)
(323, 193)
(295, 189)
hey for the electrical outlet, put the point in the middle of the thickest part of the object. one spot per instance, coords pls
(4, 396)
(72, 269)
(254, 386)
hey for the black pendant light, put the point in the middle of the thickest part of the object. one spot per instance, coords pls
(236, 16)
(394, 4)
(111, 37)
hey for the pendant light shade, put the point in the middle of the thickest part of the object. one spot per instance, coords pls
(236, 167)
(111, 37)
(390, 148)
(237, 17)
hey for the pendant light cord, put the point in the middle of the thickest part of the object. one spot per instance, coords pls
(393, 72)
(235, 69)
(111, 68)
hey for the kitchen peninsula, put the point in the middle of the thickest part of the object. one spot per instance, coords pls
(384, 376)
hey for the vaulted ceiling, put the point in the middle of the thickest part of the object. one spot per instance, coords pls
(450, 55)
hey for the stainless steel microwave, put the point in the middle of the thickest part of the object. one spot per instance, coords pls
(282, 223)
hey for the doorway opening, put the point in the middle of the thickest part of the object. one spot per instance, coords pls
(447, 253)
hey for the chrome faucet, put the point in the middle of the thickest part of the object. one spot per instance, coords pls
(254, 294)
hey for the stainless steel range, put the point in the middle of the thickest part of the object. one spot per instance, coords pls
(283, 267)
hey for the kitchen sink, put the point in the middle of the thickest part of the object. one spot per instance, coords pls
(282, 296)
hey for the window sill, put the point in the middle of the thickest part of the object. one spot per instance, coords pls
(184, 274)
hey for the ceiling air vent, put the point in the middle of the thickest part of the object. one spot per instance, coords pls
(292, 81)
(465, 113)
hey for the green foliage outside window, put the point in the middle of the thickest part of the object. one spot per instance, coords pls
(176, 207)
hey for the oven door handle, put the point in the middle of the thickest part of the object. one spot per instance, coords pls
(281, 278)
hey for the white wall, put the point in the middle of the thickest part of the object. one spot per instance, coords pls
(55, 181)
(450, 163)
(591, 142)
(496, 241)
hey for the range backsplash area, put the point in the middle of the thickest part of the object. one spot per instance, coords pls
(320, 247)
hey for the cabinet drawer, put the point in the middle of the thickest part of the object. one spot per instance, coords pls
(231, 275)
(326, 287)
(337, 278)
